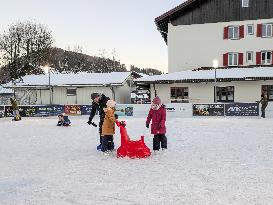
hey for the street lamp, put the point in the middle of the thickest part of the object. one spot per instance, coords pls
(215, 65)
(47, 69)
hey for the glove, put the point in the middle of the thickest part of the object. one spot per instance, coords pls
(92, 123)
(116, 116)
(147, 125)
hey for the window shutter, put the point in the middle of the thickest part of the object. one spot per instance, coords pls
(259, 30)
(258, 58)
(241, 59)
(225, 59)
(272, 57)
(226, 33)
(242, 31)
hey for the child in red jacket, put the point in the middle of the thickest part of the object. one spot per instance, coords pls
(157, 114)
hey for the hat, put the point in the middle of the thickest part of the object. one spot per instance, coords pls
(111, 103)
(94, 95)
(157, 100)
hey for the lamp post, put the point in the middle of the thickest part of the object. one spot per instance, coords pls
(48, 70)
(215, 65)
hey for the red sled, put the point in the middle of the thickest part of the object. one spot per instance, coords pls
(130, 148)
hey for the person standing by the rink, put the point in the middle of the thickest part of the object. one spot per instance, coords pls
(264, 103)
(99, 102)
(15, 109)
(157, 114)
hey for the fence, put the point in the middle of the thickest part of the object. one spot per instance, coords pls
(174, 110)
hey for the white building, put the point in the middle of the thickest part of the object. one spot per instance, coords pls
(5, 95)
(234, 32)
(227, 85)
(73, 88)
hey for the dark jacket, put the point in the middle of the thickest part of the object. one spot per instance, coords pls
(158, 118)
(99, 107)
(264, 102)
(14, 104)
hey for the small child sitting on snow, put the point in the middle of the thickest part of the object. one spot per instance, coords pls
(63, 120)
(157, 114)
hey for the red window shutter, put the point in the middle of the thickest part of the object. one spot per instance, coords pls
(241, 58)
(225, 59)
(259, 30)
(226, 33)
(258, 58)
(242, 31)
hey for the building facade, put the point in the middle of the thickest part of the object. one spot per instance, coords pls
(207, 86)
(72, 88)
(233, 32)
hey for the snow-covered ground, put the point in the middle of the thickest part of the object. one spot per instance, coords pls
(212, 161)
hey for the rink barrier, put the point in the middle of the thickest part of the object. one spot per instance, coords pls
(174, 110)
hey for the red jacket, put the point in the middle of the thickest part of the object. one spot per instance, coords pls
(158, 118)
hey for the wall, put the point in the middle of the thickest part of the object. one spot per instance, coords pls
(194, 46)
(84, 93)
(225, 11)
(5, 99)
(42, 96)
(244, 91)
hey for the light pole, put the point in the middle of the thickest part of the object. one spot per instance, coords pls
(47, 70)
(215, 65)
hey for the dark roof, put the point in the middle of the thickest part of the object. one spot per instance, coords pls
(163, 20)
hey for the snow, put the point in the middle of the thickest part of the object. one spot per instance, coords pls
(59, 79)
(209, 161)
(5, 91)
(241, 73)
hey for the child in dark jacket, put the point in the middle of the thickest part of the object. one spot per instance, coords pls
(157, 114)
(63, 120)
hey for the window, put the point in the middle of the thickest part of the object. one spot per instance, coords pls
(179, 93)
(266, 30)
(245, 3)
(268, 91)
(233, 32)
(266, 58)
(71, 91)
(249, 57)
(250, 29)
(225, 94)
(233, 59)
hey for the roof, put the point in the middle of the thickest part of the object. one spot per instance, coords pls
(72, 79)
(163, 20)
(230, 74)
(5, 90)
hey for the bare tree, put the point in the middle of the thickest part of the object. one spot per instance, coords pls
(25, 47)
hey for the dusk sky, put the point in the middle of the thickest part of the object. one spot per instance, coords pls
(124, 25)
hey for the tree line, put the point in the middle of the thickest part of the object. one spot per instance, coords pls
(25, 47)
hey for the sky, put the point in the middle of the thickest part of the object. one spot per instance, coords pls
(126, 26)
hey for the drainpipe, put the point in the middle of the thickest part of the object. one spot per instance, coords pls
(113, 92)
(154, 90)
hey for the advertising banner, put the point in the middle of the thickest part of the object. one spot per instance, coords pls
(72, 109)
(2, 111)
(124, 110)
(208, 109)
(242, 109)
(86, 109)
